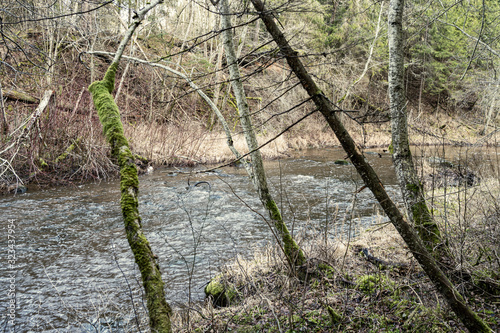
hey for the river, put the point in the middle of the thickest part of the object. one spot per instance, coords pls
(74, 269)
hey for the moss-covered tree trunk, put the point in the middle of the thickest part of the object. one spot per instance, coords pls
(457, 303)
(109, 116)
(292, 251)
(409, 182)
(19, 96)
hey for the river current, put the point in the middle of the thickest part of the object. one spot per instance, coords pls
(74, 271)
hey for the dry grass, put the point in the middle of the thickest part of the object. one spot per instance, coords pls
(174, 145)
(189, 142)
(366, 298)
(469, 219)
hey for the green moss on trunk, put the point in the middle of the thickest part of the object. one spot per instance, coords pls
(424, 223)
(159, 310)
(426, 227)
(292, 250)
(108, 110)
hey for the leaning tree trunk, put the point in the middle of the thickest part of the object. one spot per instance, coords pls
(470, 319)
(410, 185)
(292, 251)
(158, 308)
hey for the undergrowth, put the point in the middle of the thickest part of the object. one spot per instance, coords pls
(343, 292)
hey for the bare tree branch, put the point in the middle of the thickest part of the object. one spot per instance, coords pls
(472, 37)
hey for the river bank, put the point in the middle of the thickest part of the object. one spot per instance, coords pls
(161, 144)
(189, 143)
(367, 284)
(370, 282)
(169, 124)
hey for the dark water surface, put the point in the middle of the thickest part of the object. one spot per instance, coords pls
(73, 266)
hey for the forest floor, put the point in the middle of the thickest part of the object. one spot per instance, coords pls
(367, 284)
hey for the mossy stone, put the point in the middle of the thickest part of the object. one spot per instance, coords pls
(220, 292)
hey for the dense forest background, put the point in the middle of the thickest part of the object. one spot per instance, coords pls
(450, 61)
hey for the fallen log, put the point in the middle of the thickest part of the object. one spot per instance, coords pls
(19, 96)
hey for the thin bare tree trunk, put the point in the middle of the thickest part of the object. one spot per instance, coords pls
(370, 54)
(124, 76)
(292, 251)
(40, 108)
(410, 185)
(490, 115)
(470, 319)
(4, 128)
(217, 85)
(158, 308)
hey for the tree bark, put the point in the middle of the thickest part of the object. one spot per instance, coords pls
(4, 126)
(109, 116)
(410, 185)
(470, 319)
(292, 251)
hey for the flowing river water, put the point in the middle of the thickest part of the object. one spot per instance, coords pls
(73, 267)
